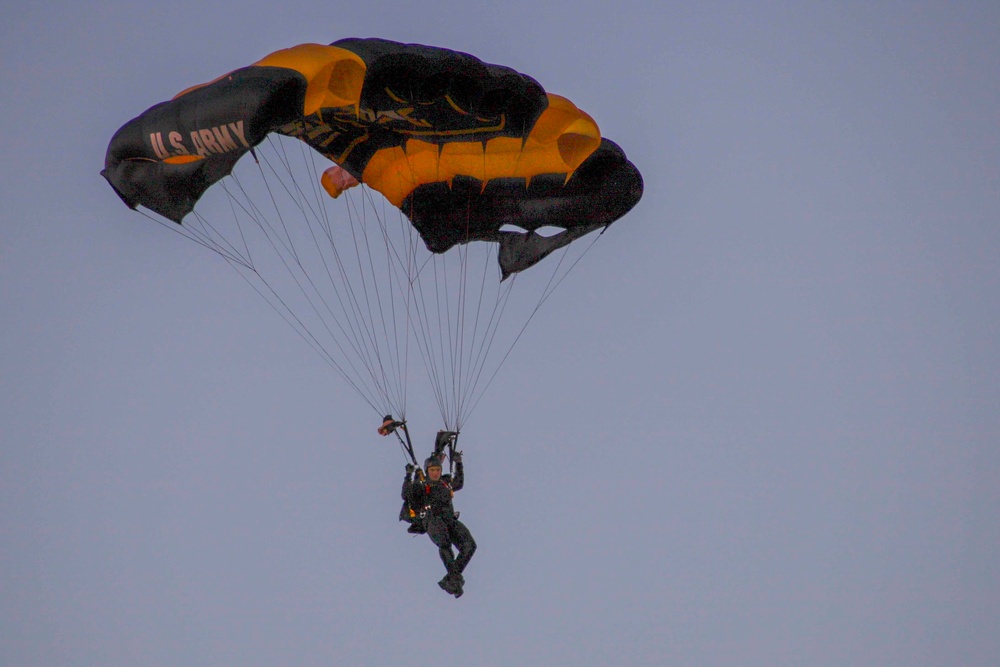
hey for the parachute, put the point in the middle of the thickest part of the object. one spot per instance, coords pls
(475, 159)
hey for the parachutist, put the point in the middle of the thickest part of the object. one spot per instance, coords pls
(429, 503)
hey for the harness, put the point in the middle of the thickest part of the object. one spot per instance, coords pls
(418, 518)
(446, 440)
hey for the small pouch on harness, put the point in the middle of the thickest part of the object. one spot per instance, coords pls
(417, 520)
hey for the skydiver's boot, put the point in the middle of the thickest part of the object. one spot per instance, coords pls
(459, 580)
(452, 584)
(460, 586)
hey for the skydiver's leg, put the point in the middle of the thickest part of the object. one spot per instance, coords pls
(462, 538)
(437, 530)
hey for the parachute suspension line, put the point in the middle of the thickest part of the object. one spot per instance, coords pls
(392, 354)
(443, 326)
(387, 349)
(239, 227)
(454, 310)
(285, 237)
(439, 360)
(479, 351)
(361, 311)
(320, 215)
(395, 375)
(458, 351)
(455, 329)
(416, 307)
(363, 332)
(546, 293)
(499, 307)
(425, 338)
(409, 266)
(391, 346)
(444, 323)
(462, 350)
(489, 332)
(268, 230)
(206, 235)
(279, 241)
(455, 365)
(199, 239)
(434, 357)
(447, 331)
(458, 362)
(349, 302)
(398, 274)
(374, 351)
(472, 348)
(461, 359)
(284, 241)
(463, 294)
(367, 344)
(407, 282)
(378, 300)
(459, 381)
(424, 312)
(299, 328)
(486, 344)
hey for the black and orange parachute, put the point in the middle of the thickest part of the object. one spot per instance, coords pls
(465, 151)
(461, 147)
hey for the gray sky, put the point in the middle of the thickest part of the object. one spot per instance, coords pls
(758, 425)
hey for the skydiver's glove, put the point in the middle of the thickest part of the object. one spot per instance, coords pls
(456, 457)
(409, 469)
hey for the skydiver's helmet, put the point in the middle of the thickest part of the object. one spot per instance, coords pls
(432, 461)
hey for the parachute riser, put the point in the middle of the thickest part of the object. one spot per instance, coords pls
(390, 425)
(446, 440)
(407, 445)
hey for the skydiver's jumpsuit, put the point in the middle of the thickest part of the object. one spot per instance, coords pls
(443, 527)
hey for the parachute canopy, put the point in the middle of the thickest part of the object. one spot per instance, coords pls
(461, 147)
(476, 165)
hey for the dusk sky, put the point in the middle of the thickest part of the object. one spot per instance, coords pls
(758, 425)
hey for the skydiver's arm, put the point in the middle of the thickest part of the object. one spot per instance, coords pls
(458, 481)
